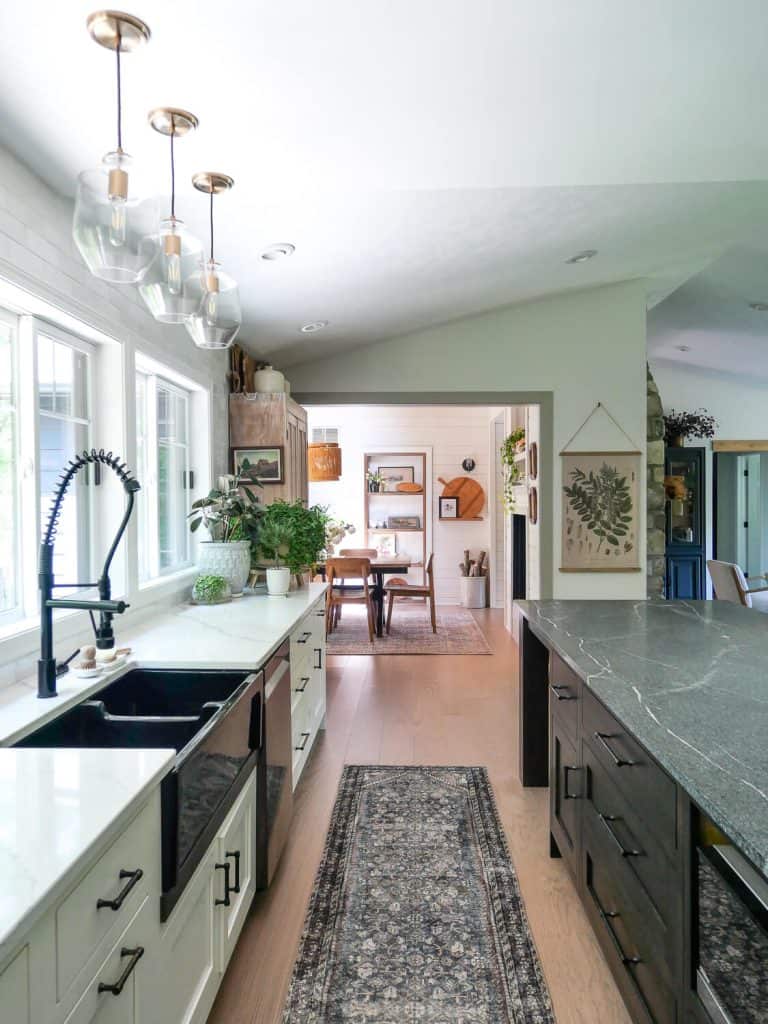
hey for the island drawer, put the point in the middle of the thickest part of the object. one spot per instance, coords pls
(564, 694)
(631, 946)
(647, 788)
(651, 880)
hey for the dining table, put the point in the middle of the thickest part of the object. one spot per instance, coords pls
(384, 565)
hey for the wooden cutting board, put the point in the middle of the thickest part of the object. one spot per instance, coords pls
(470, 494)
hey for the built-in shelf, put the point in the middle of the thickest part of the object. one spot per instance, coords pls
(394, 529)
(396, 494)
(471, 519)
(388, 504)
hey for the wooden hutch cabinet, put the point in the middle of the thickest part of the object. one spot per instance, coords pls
(273, 420)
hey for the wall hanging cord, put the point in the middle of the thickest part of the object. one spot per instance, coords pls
(578, 430)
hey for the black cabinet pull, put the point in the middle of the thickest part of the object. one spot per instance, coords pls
(115, 904)
(225, 868)
(303, 638)
(607, 916)
(566, 769)
(235, 855)
(301, 689)
(135, 955)
(319, 653)
(620, 762)
(606, 820)
(303, 742)
(556, 688)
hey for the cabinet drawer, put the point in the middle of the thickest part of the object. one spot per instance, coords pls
(647, 788)
(634, 950)
(14, 990)
(107, 898)
(652, 878)
(564, 695)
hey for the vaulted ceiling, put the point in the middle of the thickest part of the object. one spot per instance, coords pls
(429, 160)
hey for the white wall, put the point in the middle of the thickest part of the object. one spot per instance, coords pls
(450, 433)
(584, 347)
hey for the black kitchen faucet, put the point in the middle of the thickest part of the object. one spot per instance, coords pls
(47, 670)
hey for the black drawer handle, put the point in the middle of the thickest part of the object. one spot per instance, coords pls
(135, 955)
(303, 742)
(566, 769)
(606, 820)
(620, 762)
(303, 638)
(226, 901)
(235, 855)
(115, 904)
(301, 689)
(319, 653)
(557, 687)
(607, 916)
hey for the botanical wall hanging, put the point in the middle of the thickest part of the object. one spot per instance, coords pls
(600, 508)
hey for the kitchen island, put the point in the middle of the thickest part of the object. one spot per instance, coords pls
(649, 722)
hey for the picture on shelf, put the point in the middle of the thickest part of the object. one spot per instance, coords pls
(386, 544)
(404, 523)
(393, 475)
(266, 464)
(449, 507)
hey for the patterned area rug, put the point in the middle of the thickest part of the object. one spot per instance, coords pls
(416, 916)
(457, 632)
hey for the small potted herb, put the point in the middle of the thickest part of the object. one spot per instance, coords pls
(211, 590)
(274, 542)
(680, 425)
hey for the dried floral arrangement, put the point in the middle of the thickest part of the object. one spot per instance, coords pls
(698, 423)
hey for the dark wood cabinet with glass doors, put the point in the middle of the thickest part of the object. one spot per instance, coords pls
(684, 470)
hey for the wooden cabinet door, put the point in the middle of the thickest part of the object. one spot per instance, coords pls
(236, 848)
(565, 794)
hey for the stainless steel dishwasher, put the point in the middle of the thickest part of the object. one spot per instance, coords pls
(274, 809)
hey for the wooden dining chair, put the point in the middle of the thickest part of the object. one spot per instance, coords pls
(395, 589)
(352, 553)
(337, 570)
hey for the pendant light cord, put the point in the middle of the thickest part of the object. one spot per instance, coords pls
(211, 225)
(119, 98)
(173, 177)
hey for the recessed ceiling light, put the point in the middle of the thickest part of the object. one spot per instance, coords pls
(314, 325)
(276, 252)
(582, 257)
(683, 348)
(759, 307)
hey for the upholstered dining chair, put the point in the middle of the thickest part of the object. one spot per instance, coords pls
(336, 571)
(730, 584)
(394, 589)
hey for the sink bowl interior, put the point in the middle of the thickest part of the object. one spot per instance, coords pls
(86, 726)
(146, 691)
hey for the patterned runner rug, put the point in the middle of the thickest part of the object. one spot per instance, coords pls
(457, 632)
(416, 916)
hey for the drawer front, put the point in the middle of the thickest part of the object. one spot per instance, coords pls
(564, 695)
(652, 879)
(124, 969)
(647, 788)
(633, 950)
(107, 898)
(565, 795)
(15, 990)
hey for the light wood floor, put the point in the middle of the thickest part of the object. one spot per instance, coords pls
(422, 710)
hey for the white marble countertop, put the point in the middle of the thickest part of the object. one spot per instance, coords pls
(56, 806)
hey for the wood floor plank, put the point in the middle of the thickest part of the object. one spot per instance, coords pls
(404, 709)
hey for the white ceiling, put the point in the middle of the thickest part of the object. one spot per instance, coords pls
(428, 160)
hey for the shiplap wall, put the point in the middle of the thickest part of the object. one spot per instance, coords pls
(452, 432)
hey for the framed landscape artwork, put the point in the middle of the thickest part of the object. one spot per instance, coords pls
(394, 475)
(268, 463)
(600, 512)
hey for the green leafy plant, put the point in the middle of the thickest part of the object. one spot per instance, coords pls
(274, 540)
(211, 589)
(603, 502)
(698, 423)
(513, 472)
(306, 530)
(232, 514)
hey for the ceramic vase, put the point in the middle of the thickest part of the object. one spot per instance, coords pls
(278, 582)
(232, 561)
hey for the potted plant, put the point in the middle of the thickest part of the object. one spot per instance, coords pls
(232, 517)
(275, 543)
(375, 480)
(680, 425)
(513, 473)
(211, 590)
(306, 530)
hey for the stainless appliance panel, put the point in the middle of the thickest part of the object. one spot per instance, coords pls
(275, 807)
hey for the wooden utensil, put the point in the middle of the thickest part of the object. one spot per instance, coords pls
(408, 488)
(470, 494)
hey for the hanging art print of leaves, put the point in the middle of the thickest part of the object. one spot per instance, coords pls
(600, 506)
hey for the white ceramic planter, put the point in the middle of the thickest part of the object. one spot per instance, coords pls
(278, 582)
(232, 561)
(473, 591)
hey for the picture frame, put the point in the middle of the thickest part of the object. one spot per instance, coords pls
(394, 475)
(267, 461)
(448, 507)
(404, 522)
(386, 544)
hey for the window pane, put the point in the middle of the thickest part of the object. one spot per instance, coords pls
(8, 510)
(171, 511)
(59, 440)
(45, 377)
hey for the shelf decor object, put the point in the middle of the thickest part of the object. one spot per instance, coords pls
(163, 287)
(448, 507)
(600, 503)
(113, 223)
(470, 495)
(324, 461)
(214, 295)
(396, 504)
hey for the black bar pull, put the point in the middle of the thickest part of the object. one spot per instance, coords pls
(319, 653)
(116, 988)
(557, 687)
(301, 689)
(623, 850)
(607, 916)
(235, 855)
(115, 904)
(303, 638)
(225, 868)
(303, 742)
(566, 769)
(620, 762)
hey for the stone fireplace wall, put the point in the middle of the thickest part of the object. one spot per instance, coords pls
(655, 493)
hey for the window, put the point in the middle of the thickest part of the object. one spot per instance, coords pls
(9, 505)
(163, 469)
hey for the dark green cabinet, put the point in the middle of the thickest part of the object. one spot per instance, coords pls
(684, 469)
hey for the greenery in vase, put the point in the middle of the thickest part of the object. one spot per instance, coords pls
(305, 528)
(211, 589)
(513, 473)
(698, 423)
(335, 532)
(230, 515)
(603, 502)
(375, 479)
(274, 541)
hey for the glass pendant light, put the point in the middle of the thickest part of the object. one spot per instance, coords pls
(112, 224)
(177, 252)
(217, 316)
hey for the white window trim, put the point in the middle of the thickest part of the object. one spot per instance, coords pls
(15, 613)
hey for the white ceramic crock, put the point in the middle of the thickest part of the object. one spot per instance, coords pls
(232, 561)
